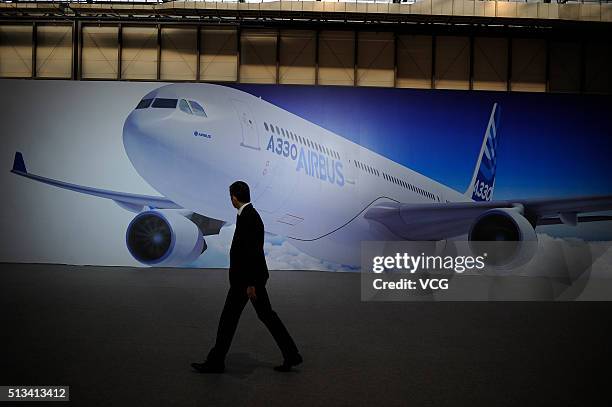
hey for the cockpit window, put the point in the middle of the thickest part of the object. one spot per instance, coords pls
(197, 109)
(165, 103)
(184, 106)
(144, 103)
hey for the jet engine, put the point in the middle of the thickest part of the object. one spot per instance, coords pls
(164, 238)
(505, 235)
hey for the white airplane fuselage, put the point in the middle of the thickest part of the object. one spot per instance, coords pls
(308, 184)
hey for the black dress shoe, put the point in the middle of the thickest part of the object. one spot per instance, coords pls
(289, 363)
(208, 367)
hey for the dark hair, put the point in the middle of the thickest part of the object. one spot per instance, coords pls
(240, 190)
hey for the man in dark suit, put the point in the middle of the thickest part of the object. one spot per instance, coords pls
(248, 274)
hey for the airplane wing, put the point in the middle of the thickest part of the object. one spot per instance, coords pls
(128, 201)
(131, 202)
(438, 221)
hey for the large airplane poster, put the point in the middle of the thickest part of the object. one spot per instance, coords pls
(114, 173)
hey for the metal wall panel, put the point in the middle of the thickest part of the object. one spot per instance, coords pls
(258, 56)
(598, 67)
(490, 63)
(528, 65)
(414, 59)
(375, 59)
(219, 57)
(178, 54)
(15, 51)
(452, 62)
(139, 53)
(54, 51)
(565, 66)
(297, 57)
(337, 58)
(99, 56)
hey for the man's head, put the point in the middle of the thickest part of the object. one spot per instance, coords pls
(239, 193)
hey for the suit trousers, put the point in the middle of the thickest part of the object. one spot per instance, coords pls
(234, 304)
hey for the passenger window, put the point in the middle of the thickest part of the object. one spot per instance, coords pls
(198, 110)
(184, 106)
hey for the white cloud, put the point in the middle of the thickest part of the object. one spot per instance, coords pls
(280, 254)
(217, 253)
(285, 256)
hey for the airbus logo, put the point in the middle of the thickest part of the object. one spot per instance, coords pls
(199, 134)
(312, 163)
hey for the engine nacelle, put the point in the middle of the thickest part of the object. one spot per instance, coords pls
(164, 238)
(506, 236)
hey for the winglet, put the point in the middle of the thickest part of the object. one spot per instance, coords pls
(18, 164)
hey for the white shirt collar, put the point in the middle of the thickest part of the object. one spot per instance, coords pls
(242, 207)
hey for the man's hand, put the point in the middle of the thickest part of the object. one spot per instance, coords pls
(251, 293)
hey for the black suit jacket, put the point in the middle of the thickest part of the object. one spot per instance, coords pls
(247, 261)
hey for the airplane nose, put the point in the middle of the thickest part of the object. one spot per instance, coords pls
(142, 127)
(132, 133)
(143, 141)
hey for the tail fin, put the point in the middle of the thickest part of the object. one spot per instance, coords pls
(483, 180)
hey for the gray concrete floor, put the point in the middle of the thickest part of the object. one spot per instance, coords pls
(121, 336)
